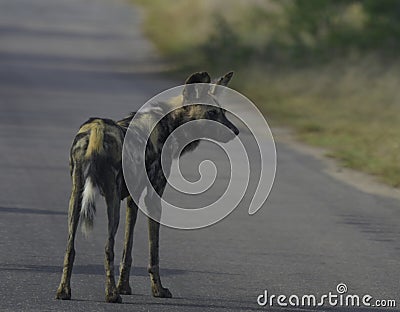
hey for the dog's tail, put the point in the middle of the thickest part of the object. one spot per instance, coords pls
(90, 174)
(88, 210)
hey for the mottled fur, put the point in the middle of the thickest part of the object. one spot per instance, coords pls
(96, 167)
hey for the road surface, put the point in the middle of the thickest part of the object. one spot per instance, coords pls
(62, 61)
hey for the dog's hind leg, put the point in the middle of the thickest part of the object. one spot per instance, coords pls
(64, 290)
(113, 206)
(131, 215)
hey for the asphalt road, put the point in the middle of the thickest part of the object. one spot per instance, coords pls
(62, 61)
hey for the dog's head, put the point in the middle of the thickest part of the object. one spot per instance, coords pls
(199, 90)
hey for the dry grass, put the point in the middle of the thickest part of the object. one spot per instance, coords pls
(353, 109)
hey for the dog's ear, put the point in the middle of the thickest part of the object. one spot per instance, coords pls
(221, 81)
(199, 77)
(193, 92)
(224, 80)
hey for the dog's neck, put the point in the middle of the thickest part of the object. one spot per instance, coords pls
(166, 126)
(182, 140)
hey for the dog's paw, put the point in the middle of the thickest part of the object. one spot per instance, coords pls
(161, 292)
(124, 289)
(113, 297)
(63, 293)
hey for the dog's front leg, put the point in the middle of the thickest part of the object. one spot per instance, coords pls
(153, 203)
(156, 286)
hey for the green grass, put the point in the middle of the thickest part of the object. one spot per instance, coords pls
(350, 105)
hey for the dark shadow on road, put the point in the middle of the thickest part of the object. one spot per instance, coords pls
(375, 230)
(55, 59)
(30, 211)
(31, 32)
(89, 269)
(63, 78)
(96, 269)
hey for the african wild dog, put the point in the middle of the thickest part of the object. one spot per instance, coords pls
(96, 166)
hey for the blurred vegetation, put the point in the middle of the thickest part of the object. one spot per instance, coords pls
(328, 68)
